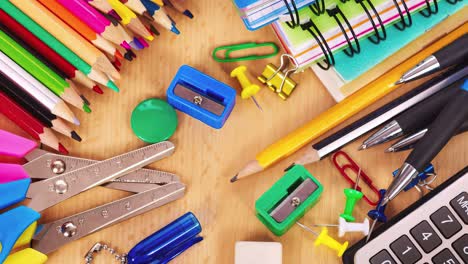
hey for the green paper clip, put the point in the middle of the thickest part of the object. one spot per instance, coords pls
(288, 200)
(244, 46)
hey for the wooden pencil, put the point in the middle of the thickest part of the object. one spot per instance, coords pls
(40, 71)
(129, 19)
(36, 89)
(45, 54)
(67, 36)
(104, 7)
(29, 124)
(159, 15)
(180, 6)
(80, 27)
(29, 24)
(27, 102)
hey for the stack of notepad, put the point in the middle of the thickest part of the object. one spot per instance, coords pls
(307, 51)
(259, 13)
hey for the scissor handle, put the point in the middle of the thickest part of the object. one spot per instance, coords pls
(13, 193)
(15, 146)
(13, 224)
(12, 172)
(27, 255)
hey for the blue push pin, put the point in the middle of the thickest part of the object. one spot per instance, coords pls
(378, 214)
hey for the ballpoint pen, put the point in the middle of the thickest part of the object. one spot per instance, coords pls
(440, 131)
(413, 119)
(454, 53)
(409, 141)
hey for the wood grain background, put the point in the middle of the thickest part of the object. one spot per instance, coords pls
(206, 158)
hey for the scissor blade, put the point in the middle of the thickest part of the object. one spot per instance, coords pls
(52, 191)
(56, 234)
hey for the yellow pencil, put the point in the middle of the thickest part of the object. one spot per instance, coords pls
(130, 20)
(67, 36)
(159, 2)
(342, 111)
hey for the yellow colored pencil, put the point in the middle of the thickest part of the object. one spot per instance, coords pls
(130, 19)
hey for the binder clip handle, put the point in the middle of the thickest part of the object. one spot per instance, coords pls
(284, 64)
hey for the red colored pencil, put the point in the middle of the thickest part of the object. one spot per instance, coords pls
(28, 123)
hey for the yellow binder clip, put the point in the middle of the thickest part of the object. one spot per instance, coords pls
(277, 79)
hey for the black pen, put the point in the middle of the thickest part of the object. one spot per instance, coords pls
(452, 54)
(440, 131)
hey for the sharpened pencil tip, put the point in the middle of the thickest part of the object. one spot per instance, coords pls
(85, 100)
(75, 136)
(62, 149)
(175, 30)
(389, 150)
(118, 55)
(98, 89)
(188, 13)
(234, 179)
(399, 82)
(290, 166)
(76, 121)
(113, 86)
(86, 108)
(362, 147)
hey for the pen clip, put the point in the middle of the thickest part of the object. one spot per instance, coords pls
(228, 49)
(351, 165)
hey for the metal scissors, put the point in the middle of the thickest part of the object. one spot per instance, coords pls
(63, 177)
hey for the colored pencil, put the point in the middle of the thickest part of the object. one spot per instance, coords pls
(56, 45)
(95, 20)
(41, 72)
(130, 20)
(160, 17)
(180, 6)
(29, 124)
(159, 2)
(41, 51)
(67, 36)
(104, 7)
(343, 110)
(28, 103)
(81, 28)
(36, 89)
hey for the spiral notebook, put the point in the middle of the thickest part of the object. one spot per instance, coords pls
(348, 56)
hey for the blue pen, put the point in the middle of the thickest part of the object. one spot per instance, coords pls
(159, 16)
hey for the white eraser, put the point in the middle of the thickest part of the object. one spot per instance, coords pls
(258, 252)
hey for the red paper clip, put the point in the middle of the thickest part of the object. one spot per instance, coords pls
(355, 168)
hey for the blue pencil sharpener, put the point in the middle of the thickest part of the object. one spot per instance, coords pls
(201, 96)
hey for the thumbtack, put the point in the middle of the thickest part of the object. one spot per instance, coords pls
(324, 239)
(352, 197)
(248, 89)
(345, 227)
(378, 214)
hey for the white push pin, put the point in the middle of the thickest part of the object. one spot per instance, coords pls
(345, 227)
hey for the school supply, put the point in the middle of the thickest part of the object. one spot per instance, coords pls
(347, 227)
(324, 239)
(421, 178)
(67, 36)
(417, 117)
(47, 239)
(378, 214)
(56, 45)
(129, 19)
(33, 87)
(201, 96)
(452, 54)
(440, 131)
(159, 15)
(58, 85)
(160, 247)
(228, 49)
(32, 106)
(352, 197)
(343, 163)
(249, 90)
(408, 142)
(153, 120)
(180, 6)
(259, 13)
(250, 252)
(341, 112)
(351, 132)
(432, 230)
(104, 7)
(277, 78)
(288, 200)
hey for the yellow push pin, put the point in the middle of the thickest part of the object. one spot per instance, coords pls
(248, 89)
(324, 239)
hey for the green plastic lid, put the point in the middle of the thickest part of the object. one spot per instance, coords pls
(154, 120)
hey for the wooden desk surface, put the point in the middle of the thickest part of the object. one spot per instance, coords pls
(206, 158)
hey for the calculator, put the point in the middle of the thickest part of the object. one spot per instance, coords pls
(432, 230)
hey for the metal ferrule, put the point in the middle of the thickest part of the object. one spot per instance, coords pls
(406, 174)
(407, 142)
(388, 132)
(425, 67)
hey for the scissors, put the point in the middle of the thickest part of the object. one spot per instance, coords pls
(61, 177)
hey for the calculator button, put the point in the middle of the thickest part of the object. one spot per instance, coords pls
(446, 222)
(461, 247)
(426, 237)
(460, 205)
(383, 257)
(405, 250)
(445, 257)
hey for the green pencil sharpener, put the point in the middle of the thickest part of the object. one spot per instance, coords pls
(288, 200)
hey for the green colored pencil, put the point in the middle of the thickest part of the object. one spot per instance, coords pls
(56, 45)
(40, 71)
